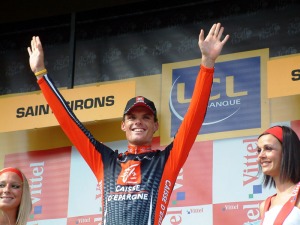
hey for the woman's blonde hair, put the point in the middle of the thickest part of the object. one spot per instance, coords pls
(25, 206)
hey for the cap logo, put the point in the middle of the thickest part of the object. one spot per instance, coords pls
(139, 99)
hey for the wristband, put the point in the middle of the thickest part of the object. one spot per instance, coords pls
(41, 72)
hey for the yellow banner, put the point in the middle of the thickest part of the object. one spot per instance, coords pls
(284, 76)
(92, 103)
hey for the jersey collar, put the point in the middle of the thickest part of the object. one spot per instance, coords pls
(138, 149)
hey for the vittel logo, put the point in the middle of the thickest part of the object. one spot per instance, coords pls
(36, 185)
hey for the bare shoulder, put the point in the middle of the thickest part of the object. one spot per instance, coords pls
(262, 206)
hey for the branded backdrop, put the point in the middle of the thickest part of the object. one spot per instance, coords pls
(219, 183)
(238, 103)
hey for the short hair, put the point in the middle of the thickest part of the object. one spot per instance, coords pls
(25, 204)
(290, 161)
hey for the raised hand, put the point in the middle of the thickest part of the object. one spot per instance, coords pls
(36, 55)
(212, 45)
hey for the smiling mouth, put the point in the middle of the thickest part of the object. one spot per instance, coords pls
(138, 130)
(264, 163)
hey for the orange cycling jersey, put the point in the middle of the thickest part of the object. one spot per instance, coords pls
(136, 187)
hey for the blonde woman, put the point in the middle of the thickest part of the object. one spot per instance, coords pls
(15, 198)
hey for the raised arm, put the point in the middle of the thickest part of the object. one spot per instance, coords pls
(36, 56)
(77, 133)
(212, 45)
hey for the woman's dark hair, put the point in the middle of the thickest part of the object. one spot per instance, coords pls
(290, 161)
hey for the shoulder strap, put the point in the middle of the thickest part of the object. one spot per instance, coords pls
(266, 208)
(288, 206)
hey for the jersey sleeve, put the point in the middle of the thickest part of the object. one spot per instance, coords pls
(192, 122)
(184, 139)
(81, 138)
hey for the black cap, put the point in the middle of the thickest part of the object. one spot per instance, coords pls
(140, 101)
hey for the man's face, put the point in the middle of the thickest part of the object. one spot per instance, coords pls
(139, 126)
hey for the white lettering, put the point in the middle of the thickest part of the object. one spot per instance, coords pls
(226, 103)
(84, 220)
(36, 181)
(129, 196)
(253, 212)
(120, 188)
(167, 190)
(231, 207)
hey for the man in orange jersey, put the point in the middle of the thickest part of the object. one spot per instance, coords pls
(137, 184)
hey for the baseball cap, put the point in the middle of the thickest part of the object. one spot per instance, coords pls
(140, 101)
